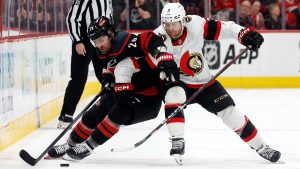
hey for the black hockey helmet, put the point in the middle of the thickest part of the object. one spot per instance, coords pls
(101, 26)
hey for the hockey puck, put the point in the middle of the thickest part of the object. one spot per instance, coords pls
(64, 165)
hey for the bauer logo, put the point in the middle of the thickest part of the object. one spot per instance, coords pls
(211, 51)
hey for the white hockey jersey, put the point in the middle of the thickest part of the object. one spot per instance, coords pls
(187, 50)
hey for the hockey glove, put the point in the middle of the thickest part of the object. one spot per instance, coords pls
(108, 81)
(167, 68)
(124, 94)
(249, 37)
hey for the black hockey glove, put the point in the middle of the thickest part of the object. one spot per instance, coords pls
(124, 94)
(167, 68)
(249, 37)
(108, 81)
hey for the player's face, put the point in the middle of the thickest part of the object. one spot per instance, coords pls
(173, 29)
(103, 43)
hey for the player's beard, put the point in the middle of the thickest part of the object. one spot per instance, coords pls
(175, 34)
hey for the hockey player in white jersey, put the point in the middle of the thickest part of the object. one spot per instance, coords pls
(184, 36)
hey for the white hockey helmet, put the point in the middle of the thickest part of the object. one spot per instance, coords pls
(172, 12)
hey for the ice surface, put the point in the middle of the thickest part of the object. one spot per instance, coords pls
(209, 143)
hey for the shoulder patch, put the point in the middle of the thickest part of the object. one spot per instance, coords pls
(188, 19)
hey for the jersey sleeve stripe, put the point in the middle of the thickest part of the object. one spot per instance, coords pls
(205, 30)
(218, 30)
(212, 29)
(135, 63)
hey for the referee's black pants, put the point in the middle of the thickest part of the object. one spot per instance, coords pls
(79, 75)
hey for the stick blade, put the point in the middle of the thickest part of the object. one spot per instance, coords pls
(27, 157)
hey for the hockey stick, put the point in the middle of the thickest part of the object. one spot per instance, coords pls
(191, 98)
(32, 161)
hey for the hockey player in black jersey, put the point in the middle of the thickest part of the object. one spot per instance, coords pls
(142, 74)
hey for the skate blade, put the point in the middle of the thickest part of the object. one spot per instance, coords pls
(178, 159)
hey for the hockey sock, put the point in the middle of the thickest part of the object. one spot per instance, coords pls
(176, 124)
(80, 133)
(248, 134)
(104, 131)
(241, 125)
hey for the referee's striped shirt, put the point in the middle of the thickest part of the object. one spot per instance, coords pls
(82, 12)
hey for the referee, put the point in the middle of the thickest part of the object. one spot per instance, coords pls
(80, 15)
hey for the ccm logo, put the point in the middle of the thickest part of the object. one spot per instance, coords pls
(221, 98)
(120, 88)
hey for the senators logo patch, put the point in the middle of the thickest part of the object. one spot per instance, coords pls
(191, 64)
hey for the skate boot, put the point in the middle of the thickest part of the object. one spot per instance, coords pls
(269, 153)
(64, 121)
(177, 149)
(57, 151)
(78, 152)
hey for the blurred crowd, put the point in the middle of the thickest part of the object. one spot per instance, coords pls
(35, 15)
(49, 15)
(261, 14)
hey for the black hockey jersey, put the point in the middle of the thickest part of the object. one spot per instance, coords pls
(132, 61)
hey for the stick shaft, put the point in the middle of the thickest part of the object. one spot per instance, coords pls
(191, 98)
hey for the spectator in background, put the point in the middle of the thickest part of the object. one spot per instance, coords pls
(293, 18)
(41, 15)
(65, 8)
(140, 14)
(32, 15)
(156, 9)
(22, 14)
(224, 9)
(245, 18)
(273, 19)
(257, 17)
(60, 18)
(290, 5)
(188, 3)
(13, 17)
(118, 7)
(264, 6)
(191, 7)
(50, 13)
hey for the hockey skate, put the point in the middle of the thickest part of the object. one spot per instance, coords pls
(78, 152)
(64, 121)
(269, 153)
(57, 151)
(177, 150)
